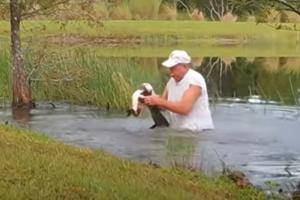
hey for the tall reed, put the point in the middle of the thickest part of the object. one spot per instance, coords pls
(144, 9)
(5, 84)
(86, 78)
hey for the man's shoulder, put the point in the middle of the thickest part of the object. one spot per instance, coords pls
(194, 74)
(170, 82)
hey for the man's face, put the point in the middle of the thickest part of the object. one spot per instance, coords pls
(177, 72)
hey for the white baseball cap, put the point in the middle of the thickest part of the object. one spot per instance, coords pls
(177, 57)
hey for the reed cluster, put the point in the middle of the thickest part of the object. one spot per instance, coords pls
(4, 76)
(119, 10)
(83, 77)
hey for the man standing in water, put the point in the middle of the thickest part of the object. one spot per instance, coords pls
(185, 95)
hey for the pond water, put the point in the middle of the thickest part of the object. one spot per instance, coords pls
(260, 139)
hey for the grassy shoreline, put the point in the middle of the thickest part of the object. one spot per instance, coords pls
(36, 167)
(160, 31)
(156, 38)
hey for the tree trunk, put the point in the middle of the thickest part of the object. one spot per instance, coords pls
(21, 86)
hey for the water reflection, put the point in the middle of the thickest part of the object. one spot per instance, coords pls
(21, 115)
(276, 79)
(180, 150)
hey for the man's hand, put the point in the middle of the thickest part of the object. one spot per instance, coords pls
(152, 100)
(182, 107)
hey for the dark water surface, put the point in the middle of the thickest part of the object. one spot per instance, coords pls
(259, 139)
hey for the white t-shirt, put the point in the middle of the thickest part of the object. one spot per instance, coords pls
(200, 117)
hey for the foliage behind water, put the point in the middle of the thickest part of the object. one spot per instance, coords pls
(272, 78)
(86, 76)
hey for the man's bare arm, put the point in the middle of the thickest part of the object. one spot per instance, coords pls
(182, 107)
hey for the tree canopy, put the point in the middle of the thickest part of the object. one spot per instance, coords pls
(255, 6)
(216, 8)
(30, 8)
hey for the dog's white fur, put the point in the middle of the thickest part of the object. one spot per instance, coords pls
(136, 104)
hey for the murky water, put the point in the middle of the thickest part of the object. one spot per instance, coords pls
(259, 139)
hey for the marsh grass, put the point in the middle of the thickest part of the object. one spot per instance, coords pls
(83, 77)
(168, 12)
(144, 9)
(103, 10)
(121, 12)
(35, 167)
(270, 78)
(86, 78)
(4, 76)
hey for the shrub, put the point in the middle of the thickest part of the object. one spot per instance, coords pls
(168, 12)
(121, 12)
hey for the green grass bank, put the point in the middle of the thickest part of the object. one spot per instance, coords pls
(156, 38)
(162, 31)
(35, 167)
